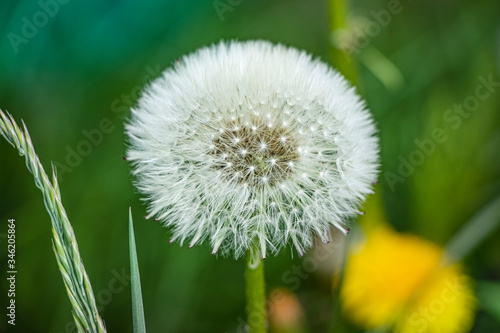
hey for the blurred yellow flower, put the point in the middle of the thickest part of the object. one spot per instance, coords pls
(445, 305)
(398, 279)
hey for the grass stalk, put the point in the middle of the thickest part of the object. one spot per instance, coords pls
(76, 281)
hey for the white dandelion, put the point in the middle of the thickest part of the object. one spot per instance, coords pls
(252, 145)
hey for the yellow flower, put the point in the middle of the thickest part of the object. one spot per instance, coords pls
(445, 305)
(398, 279)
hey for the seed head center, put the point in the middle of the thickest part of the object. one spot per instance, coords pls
(254, 153)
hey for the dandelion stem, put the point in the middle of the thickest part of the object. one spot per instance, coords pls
(256, 294)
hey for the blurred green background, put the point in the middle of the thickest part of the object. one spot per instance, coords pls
(77, 72)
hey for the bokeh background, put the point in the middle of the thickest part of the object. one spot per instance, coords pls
(76, 73)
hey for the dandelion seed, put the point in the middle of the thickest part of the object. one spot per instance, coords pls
(253, 168)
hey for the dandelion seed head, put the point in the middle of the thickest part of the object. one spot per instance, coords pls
(223, 148)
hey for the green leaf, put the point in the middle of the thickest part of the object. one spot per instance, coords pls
(474, 232)
(135, 279)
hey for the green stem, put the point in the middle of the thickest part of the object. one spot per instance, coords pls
(256, 293)
(341, 58)
(344, 63)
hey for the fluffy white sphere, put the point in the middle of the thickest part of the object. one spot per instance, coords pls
(252, 145)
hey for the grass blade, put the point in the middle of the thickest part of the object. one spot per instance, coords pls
(135, 280)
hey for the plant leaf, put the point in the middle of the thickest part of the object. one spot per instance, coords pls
(135, 283)
(474, 232)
